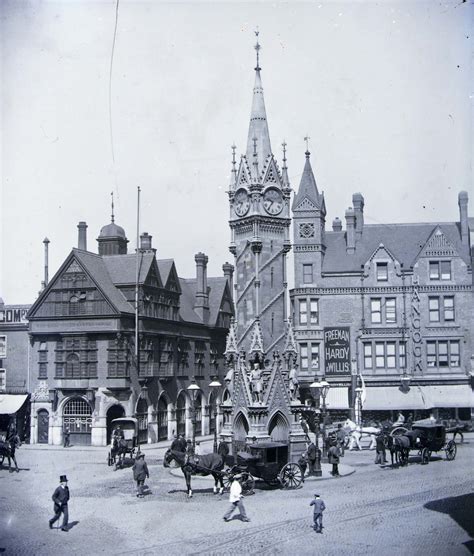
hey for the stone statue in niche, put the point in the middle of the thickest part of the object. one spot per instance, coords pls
(256, 383)
(293, 383)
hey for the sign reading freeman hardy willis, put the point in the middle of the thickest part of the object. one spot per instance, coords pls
(337, 351)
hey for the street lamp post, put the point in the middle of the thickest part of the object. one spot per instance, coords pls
(316, 391)
(358, 392)
(215, 385)
(193, 389)
(324, 392)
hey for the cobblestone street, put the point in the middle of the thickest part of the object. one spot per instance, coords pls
(414, 510)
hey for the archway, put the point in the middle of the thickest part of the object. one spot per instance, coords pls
(278, 428)
(114, 412)
(142, 418)
(162, 418)
(43, 426)
(181, 414)
(77, 415)
(198, 414)
(240, 429)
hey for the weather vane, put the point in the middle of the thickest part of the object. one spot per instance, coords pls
(307, 138)
(112, 195)
(257, 48)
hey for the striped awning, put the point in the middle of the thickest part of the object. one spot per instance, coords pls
(11, 403)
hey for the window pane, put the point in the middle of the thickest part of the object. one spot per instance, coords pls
(434, 270)
(304, 356)
(382, 271)
(391, 361)
(315, 356)
(449, 308)
(443, 354)
(454, 352)
(314, 311)
(402, 352)
(303, 312)
(307, 273)
(390, 310)
(375, 309)
(368, 356)
(445, 270)
(379, 354)
(433, 304)
(431, 354)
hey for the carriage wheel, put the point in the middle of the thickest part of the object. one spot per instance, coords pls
(291, 476)
(248, 483)
(451, 450)
(227, 480)
(398, 431)
(425, 456)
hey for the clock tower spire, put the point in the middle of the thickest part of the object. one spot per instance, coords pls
(259, 198)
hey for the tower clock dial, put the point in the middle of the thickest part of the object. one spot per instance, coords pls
(241, 203)
(273, 201)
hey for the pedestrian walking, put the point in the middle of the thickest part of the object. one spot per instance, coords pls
(61, 498)
(311, 453)
(303, 463)
(341, 439)
(380, 449)
(235, 499)
(140, 473)
(319, 507)
(66, 437)
(333, 457)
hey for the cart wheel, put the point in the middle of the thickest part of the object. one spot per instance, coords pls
(398, 431)
(451, 450)
(425, 456)
(248, 483)
(227, 480)
(291, 476)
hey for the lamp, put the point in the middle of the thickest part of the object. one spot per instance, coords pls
(405, 382)
(193, 389)
(324, 392)
(215, 385)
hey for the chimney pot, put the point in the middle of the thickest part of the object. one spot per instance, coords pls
(337, 225)
(350, 230)
(82, 236)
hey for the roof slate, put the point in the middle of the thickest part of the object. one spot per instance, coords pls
(122, 268)
(404, 241)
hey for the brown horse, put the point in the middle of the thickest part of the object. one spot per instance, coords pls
(8, 449)
(207, 464)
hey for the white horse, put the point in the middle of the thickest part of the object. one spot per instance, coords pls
(356, 432)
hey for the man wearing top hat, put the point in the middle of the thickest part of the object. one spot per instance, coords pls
(60, 498)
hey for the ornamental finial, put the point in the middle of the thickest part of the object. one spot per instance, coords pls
(307, 153)
(257, 48)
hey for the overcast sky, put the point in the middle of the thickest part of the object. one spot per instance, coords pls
(383, 89)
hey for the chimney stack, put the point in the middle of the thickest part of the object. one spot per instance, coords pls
(350, 230)
(201, 303)
(145, 242)
(358, 204)
(337, 225)
(463, 199)
(82, 239)
(229, 275)
(46, 257)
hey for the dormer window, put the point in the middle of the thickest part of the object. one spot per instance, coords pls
(382, 272)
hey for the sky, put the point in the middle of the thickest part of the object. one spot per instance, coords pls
(383, 90)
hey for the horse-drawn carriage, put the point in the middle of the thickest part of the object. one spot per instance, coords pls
(268, 461)
(124, 441)
(425, 437)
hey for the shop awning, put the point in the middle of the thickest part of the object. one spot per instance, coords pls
(392, 398)
(337, 398)
(11, 403)
(449, 395)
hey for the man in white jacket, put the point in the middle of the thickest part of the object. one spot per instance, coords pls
(235, 499)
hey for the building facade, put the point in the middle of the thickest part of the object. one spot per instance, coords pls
(86, 367)
(14, 370)
(392, 303)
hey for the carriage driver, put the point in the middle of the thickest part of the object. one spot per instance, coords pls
(118, 433)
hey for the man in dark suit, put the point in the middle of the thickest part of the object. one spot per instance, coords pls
(60, 498)
(182, 443)
(311, 453)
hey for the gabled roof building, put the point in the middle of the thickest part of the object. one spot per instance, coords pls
(85, 371)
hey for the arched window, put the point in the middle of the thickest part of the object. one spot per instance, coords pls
(162, 419)
(213, 410)
(142, 417)
(198, 414)
(77, 416)
(181, 414)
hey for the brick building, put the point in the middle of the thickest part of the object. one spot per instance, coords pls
(390, 302)
(84, 372)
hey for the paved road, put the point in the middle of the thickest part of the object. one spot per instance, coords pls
(418, 510)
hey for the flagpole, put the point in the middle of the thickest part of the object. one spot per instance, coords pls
(137, 270)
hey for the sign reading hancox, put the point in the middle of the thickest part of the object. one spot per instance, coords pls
(337, 350)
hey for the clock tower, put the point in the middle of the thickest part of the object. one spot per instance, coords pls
(259, 198)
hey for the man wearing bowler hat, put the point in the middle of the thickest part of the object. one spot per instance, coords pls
(60, 499)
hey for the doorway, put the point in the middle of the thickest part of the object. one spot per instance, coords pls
(114, 412)
(43, 426)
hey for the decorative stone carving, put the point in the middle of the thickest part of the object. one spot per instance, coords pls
(41, 393)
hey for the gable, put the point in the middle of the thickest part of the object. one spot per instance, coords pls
(153, 278)
(172, 283)
(242, 175)
(272, 176)
(306, 204)
(438, 245)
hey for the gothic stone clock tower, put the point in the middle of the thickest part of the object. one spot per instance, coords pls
(259, 198)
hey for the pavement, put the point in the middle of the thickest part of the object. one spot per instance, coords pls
(414, 510)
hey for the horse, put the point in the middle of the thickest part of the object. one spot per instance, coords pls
(357, 432)
(399, 447)
(207, 464)
(7, 450)
(119, 449)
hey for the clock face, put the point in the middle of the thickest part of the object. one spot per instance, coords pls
(241, 202)
(273, 201)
